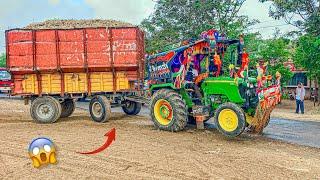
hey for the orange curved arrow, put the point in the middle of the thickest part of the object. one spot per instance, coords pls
(111, 137)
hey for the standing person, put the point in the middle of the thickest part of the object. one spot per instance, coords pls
(300, 93)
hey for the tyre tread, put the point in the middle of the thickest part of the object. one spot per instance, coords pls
(106, 106)
(57, 107)
(241, 118)
(179, 120)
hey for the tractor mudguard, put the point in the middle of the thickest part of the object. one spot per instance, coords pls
(182, 92)
(155, 87)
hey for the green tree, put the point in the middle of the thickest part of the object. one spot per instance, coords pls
(307, 55)
(275, 51)
(304, 14)
(2, 60)
(254, 43)
(177, 20)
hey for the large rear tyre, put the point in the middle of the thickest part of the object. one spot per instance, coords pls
(100, 109)
(45, 110)
(168, 111)
(131, 108)
(68, 106)
(230, 119)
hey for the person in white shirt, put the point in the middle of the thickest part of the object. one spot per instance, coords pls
(300, 93)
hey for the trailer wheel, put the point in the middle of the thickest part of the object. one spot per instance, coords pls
(230, 119)
(168, 110)
(100, 109)
(45, 110)
(68, 106)
(131, 108)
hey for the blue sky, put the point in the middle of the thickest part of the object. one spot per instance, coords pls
(19, 13)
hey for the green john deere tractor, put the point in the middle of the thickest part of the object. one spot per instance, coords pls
(188, 85)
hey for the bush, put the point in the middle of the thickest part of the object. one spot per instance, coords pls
(3, 60)
(285, 96)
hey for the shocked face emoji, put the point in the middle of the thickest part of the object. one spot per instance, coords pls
(42, 151)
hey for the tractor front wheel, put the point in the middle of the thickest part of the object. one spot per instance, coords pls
(168, 110)
(230, 119)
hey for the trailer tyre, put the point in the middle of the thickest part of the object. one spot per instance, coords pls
(230, 119)
(131, 108)
(168, 110)
(45, 110)
(100, 109)
(68, 106)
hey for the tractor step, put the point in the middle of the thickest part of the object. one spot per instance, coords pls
(200, 121)
(200, 114)
(198, 110)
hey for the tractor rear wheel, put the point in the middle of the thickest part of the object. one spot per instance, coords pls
(131, 108)
(45, 110)
(168, 110)
(100, 109)
(68, 106)
(230, 119)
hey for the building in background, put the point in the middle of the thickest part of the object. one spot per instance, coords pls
(299, 75)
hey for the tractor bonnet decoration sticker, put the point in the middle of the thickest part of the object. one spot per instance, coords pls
(158, 67)
(164, 58)
(159, 71)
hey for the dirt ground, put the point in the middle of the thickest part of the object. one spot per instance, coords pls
(287, 108)
(141, 152)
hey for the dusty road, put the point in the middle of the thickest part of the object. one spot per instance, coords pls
(302, 132)
(298, 132)
(141, 152)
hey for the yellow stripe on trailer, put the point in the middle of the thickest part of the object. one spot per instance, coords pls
(76, 83)
(29, 84)
(51, 83)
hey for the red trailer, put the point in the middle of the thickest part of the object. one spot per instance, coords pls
(52, 67)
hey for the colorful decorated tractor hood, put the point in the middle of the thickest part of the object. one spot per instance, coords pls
(163, 65)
